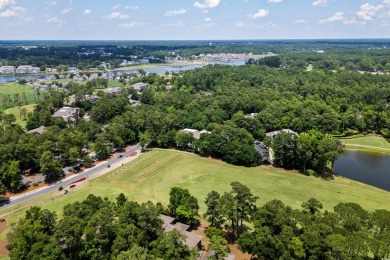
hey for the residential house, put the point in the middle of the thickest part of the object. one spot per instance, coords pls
(192, 240)
(115, 91)
(262, 150)
(25, 69)
(212, 253)
(37, 131)
(67, 113)
(73, 70)
(7, 69)
(140, 86)
(51, 70)
(251, 115)
(273, 134)
(195, 133)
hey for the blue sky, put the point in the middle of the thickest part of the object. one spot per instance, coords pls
(193, 19)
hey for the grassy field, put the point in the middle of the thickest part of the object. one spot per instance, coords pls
(369, 143)
(151, 176)
(16, 112)
(14, 88)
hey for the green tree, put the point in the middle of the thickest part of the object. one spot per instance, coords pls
(212, 214)
(50, 167)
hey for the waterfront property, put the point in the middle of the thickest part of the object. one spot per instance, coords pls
(27, 69)
(7, 69)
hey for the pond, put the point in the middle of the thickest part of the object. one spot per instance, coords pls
(370, 168)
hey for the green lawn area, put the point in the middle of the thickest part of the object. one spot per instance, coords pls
(13, 88)
(369, 143)
(151, 176)
(114, 84)
(16, 112)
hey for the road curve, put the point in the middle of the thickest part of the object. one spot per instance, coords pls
(46, 189)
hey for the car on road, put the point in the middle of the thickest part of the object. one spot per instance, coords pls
(60, 188)
(4, 200)
(66, 191)
(120, 156)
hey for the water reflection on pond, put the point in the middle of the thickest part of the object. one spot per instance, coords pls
(369, 168)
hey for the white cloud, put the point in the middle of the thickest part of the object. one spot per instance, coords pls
(175, 12)
(239, 25)
(13, 11)
(117, 15)
(55, 20)
(129, 7)
(274, 1)
(207, 19)
(354, 21)
(207, 4)
(177, 24)
(87, 11)
(386, 2)
(260, 14)
(28, 19)
(66, 10)
(131, 25)
(87, 24)
(116, 7)
(4, 3)
(320, 3)
(300, 21)
(367, 11)
(337, 17)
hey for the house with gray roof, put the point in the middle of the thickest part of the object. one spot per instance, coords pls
(67, 113)
(192, 240)
(273, 134)
(37, 131)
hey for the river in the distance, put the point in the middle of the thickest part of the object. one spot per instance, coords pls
(370, 168)
(161, 70)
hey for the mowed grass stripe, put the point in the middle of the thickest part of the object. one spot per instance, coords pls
(151, 176)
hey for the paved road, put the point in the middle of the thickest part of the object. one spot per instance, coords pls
(90, 172)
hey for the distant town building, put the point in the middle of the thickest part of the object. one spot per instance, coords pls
(51, 70)
(7, 69)
(27, 69)
(73, 70)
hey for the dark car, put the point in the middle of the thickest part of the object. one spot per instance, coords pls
(120, 156)
(60, 188)
(4, 200)
(66, 191)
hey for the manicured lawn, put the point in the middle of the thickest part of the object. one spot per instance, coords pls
(14, 88)
(151, 176)
(16, 112)
(369, 143)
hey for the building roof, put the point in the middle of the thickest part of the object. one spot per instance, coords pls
(116, 90)
(275, 133)
(192, 240)
(195, 133)
(37, 131)
(66, 112)
(140, 85)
